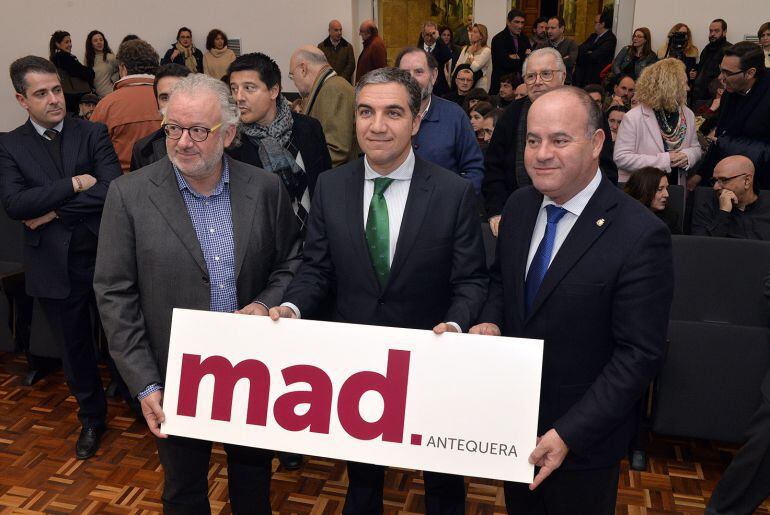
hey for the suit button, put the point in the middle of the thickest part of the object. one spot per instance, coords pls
(380, 302)
(205, 280)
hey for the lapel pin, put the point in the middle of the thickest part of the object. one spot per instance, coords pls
(600, 222)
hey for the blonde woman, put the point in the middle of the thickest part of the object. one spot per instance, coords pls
(670, 47)
(478, 55)
(660, 131)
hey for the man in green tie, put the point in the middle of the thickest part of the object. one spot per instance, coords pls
(397, 242)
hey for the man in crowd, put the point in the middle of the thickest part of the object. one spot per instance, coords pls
(87, 105)
(596, 52)
(130, 112)
(433, 44)
(736, 210)
(504, 161)
(328, 98)
(273, 137)
(463, 85)
(509, 49)
(197, 231)
(577, 250)
(596, 92)
(54, 176)
(564, 45)
(445, 135)
(507, 93)
(622, 93)
(392, 271)
(520, 91)
(710, 59)
(338, 52)
(462, 33)
(744, 116)
(539, 37)
(373, 55)
(153, 147)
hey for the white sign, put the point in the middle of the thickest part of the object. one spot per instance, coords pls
(456, 403)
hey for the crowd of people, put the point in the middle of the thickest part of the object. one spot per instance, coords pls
(146, 191)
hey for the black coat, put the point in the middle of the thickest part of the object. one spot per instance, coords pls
(307, 138)
(708, 68)
(31, 186)
(602, 311)
(180, 58)
(593, 57)
(438, 271)
(442, 54)
(149, 149)
(502, 64)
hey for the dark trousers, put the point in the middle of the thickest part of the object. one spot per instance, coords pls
(746, 482)
(566, 492)
(72, 325)
(444, 493)
(185, 484)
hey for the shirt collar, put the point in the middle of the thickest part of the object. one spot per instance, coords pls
(402, 173)
(225, 179)
(578, 203)
(41, 130)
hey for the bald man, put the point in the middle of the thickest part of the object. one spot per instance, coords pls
(736, 211)
(339, 52)
(328, 98)
(374, 55)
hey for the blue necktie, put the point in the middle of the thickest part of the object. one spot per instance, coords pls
(542, 257)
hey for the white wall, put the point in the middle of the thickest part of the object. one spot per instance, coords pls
(742, 17)
(491, 13)
(273, 27)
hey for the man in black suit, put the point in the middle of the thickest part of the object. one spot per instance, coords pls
(431, 42)
(596, 52)
(588, 270)
(399, 238)
(54, 175)
(509, 49)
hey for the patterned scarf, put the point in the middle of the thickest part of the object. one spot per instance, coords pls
(189, 57)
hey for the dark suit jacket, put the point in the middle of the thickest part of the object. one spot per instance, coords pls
(150, 260)
(149, 149)
(443, 55)
(307, 137)
(438, 271)
(593, 57)
(503, 46)
(602, 310)
(31, 186)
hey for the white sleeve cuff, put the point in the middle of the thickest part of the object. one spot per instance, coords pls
(293, 308)
(456, 326)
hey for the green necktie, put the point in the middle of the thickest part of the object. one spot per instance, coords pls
(378, 230)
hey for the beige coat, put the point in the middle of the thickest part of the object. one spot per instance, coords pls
(332, 102)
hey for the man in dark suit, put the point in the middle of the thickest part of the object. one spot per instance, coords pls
(194, 230)
(596, 52)
(588, 270)
(54, 175)
(510, 47)
(431, 42)
(400, 240)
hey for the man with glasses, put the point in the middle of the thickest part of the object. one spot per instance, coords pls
(463, 79)
(736, 210)
(744, 116)
(198, 231)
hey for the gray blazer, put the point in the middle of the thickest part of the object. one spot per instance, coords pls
(150, 261)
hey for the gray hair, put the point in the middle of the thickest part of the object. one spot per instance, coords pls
(393, 75)
(429, 23)
(543, 51)
(198, 82)
(313, 57)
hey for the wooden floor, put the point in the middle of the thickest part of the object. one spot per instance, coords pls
(39, 474)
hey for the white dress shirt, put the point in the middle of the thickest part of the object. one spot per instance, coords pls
(41, 130)
(574, 207)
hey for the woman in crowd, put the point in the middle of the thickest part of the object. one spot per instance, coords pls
(184, 52)
(447, 36)
(101, 60)
(650, 187)
(615, 115)
(477, 114)
(689, 51)
(76, 79)
(217, 57)
(632, 59)
(479, 56)
(764, 41)
(660, 131)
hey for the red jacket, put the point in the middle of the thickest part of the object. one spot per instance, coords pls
(372, 57)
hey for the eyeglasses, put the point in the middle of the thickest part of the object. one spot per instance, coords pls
(724, 180)
(728, 73)
(464, 80)
(545, 76)
(196, 132)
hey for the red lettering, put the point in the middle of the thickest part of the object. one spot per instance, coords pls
(319, 397)
(225, 377)
(392, 387)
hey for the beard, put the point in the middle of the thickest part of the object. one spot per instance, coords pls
(201, 167)
(426, 92)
